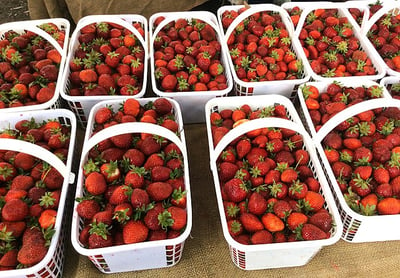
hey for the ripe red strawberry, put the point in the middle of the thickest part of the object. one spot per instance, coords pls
(314, 201)
(95, 183)
(322, 220)
(110, 171)
(52, 178)
(134, 232)
(15, 228)
(87, 208)
(388, 206)
(281, 208)
(14, 210)
(122, 141)
(262, 237)
(31, 254)
(312, 232)
(242, 148)
(250, 222)
(153, 160)
(235, 189)
(295, 219)
(159, 191)
(135, 177)
(257, 204)
(47, 218)
(99, 236)
(174, 218)
(272, 222)
(162, 106)
(7, 171)
(120, 194)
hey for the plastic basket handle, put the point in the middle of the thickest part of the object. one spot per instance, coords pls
(35, 29)
(254, 9)
(135, 127)
(253, 125)
(351, 111)
(115, 19)
(36, 151)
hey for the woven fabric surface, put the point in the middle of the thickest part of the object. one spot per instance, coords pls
(206, 253)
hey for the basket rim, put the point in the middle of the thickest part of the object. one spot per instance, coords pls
(295, 43)
(364, 44)
(74, 44)
(170, 16)
(68, 179)
(121, 129)
(387, 6)
(268, 122)
(17, 25)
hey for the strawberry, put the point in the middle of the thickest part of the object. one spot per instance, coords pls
(87, 208)
(110, 171)
(95, 183)
(235, 227)
(7, 171)
(312, 232)
(322, 220)
(14, 210)
(227, 171)
(257, 204)
(250, 222)
(235, 189)
(314, 201)
(99, 236)
(47, 218)
(174, 218)
(272, 223)
(242, 148)
(134, 232)
(31, 254)
(151, 217)
(388, 206)
(150, 145)
(120, 194)
(9, 258)
(159, 191)
(261, 237)
(295, 219)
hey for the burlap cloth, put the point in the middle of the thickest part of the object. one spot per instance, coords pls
(76, 9)
(206, 252)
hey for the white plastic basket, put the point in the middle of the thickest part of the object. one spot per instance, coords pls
(254, 102)
(81, 105)
(365, 44)
(276, 255)
(52, 264)
(357, 227)
(322, 87)
(388, 81)
(21, 27)
(388, 7)
(282, 87)
(192, 103)
(139, 256)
